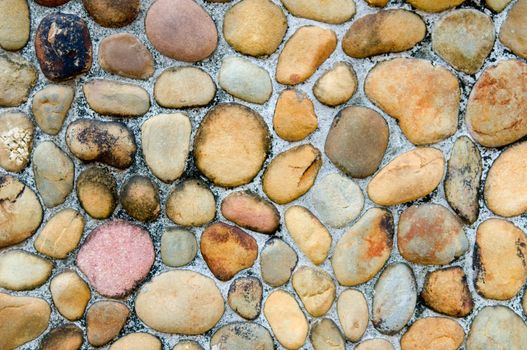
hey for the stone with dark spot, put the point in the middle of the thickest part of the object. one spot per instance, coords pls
(97, 192)
(242, 336)
(66, 337)
(140, 198)
(245, 297)
(251, 211)
(113, 13)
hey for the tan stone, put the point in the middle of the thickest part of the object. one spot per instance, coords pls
(277, 261)
(184, 87)
(139, 197)
(325, 335)
(66, 337)
(497, 5)
(113, 14)
(337, 85)
(294, 116)
(97, 192)
(375, 344)
(316, 289)
(328, 11)
(191, 204)
(514, 30)
(377, 3)
(20, 270)
(438, 333)
(70, 294)
(248, 210)
(14, 24)
(17, 77)
(117, 99)
(188, 344)
(352, 310)
(61, 234)
(434, 5)
(245, 297)
(104, 321)
(137, 341)
(16, 141)
(51, 106)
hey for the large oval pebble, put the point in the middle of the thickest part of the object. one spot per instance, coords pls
(115, 98)
(352, 310)
(514, 29)
(14, 24)
(277, 261)
(332, 11)
(316, 289)
(438, 333)
(184, 87)
(250, 211)
(20, 270)
(325, 335)
(245, 80)
(61, 234)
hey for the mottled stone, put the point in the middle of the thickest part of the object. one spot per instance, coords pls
(139, 197)
(51, 106)
(514, 29)
(337, 85)
(20, 270)
(191, 203)
(328, 11)
(434, 5)
(14, 24)
(61, 234)
(245, 297)
(375, 344)
(497, 5)
(137, 341)
(66, 337)
(325, 335)
(178, 247)
(438, 333)
(294, 116)
(104, 321)
(277, 261)
(250, 211)
(316, 289)
(97, 192)
(70, 294)
(245, 80)
(113, 13)
(352, 310)
(125, 55)
(242, 336)
(184, 87)
(16, 141)
(17, 78)
(117, 99)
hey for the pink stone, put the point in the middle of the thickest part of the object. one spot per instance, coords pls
(116, 257)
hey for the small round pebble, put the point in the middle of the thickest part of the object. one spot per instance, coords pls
(66, 337)
(316, 289)
(17, 78)
(325, 335)
(112, 13)
(137, 341)
(294, 116)
(97, 192)
(125, 55)
(191, 203)
(514, 29)
(178, 247)
(14, 24)
(104, 321)
(184, 87)
(51, 106)
(337, 85)
(245, 297)
(109, 97)
(61, 234)
(20, 270)
(242, 336)
(277, 261)
(70, 294)
(352, 310)
(16, 141)
(433, 333)
(250, 211)
(245, 80)
(328, 11)
(139, 197)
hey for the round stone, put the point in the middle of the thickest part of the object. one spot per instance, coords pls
(316, 289)
(51, 106)
(245, 297)
(250, 211)
(20, 270)
(178, 247)
(187, 345)
(434, 5)
(514, 29)
(61, 234)
(375, 344)
(104, 321)
(16, 141)
(139, 197)
(14, 24)
(97, 192)
(191, 204)
(17, 77)
(277, 261)
(112, 13)
(184, 87)
(337, 85)
(70, 294)
(352, 309)
(67, 337)
(433, 333)
(242, 336)
(245, 80)
(326, 335)
(294, 116)
(137, 341)
(116, 99)
(332, 11)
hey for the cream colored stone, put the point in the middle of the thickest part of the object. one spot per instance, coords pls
(328, 11)
(191, 204)
(352, 310)
(497, 5)
(20, 270)
(14, 24)
(245, 80)
(315, 288)
(137, 341)
(337, 85)
(513, 31)
(184, 87)
(114, 98)
(61, 234)
(435, 5)
(16, 141)
(17, 77)
(51, 106)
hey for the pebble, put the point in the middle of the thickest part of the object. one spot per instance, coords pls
(227, 250)
(303, 53)
(364, 248)
(514, 29)
(111, 13)
(117, 99)
(500, 259)
(245, 80)
(245, 297)
(51, 106)
(497, 106)
(137, 341)
(294, 116)
(97, 192)
(61, 234)
(22, 216)
(446, 291)
(17, 78)
(139, 197)
(51, 3)
(70, 294)
(337, 85)
(180, 301)
(352, 310)
(14, 24)
(291, 173)
(242, 336)
(178, 247)
(410, 176)
(383, 32)
(277, 262)
(309, 234)
(377, 3)
(375, 344)
(401, 85)
(187, 345)
(497, 5)
(116, 256)
(244, 139)
(20, 270)
(63, 46)
(464, 38)
(104, 321)
(332, 11)
(16, 141)
(66, 337)
(499, 326)
(110, 143)
(434, 5)
(181, 29)
(125, 55)
(394, 298)
(433, 333)
(54, 173)
(191, 203)
(316, 289)
(325, 335)
(254, 27)
(352, 128)
(337, 199)
(184, 87)
(430, 234)
(250, 211)
(463, 178)
(286, 319)
(22, 319)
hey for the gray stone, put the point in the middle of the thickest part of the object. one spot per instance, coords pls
(50, 107)
(178, 247)
(242, 336)
(245, 80)
(277, 261)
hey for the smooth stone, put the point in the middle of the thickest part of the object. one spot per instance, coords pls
(410, 176)
(277, 261)
(401, 85)
(16, 141)
(446, 291)
(17, 78)
(70, 294)
(51, 106)
(14, 24)
(66, 337)
(244, 139)
(137, 341)
(245, 80)
(377, 3)
(291, 173)
(332, 11)
(51, 3)
(434, 5)
(110, 143)
(125, 55)
(61, 234)
(254, 27)
(242, 336)
(22, 212)
(63, 46)
(524, 304)
(497, 5)
(303, 53)
(325, 335)
(180, 301)
(184, 87)
(181, 29)
(139, 197)
(337, 85)
(111, 13)
(375, 344)
(191, 203)
(22, 319)
(394, 298)
(383, 32)
(115, 257)
(245, 297)
(337, 199)
(250, 211)
(187, 344)
(104, 321)
(500, 253)
(464, 38)
(364, 248)
(20, 270)
(227, 250)
(514, 29)
(294, 116)
(316, 289)
(433, 333)
(97, 192)
(54, 173)
(352, 128)
(117, 99)
(178, 247)
(352, 310)
(286, 319)
(497, 106)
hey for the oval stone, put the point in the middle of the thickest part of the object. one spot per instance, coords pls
(277, 261)
(332, 11)
(242, 336)
(97, 192)
(16, 141)
(294, 116)
(137, 341)
(352, 310)
(316, 289)
(112, 13)
(139, 198)
(191, 203)
(434, 5)
(20, 270)
(65, 337)
(51, 3)
(51, 106)
(184, 87)
(14, 24)
(245, 80)
(70, 294)
(337, 85)
(326, 335)
(514, 29)
(245, 297)
(497, 5)
(61, 234)
(375, 344)
(104, 321)
(117, 99)
(178, 247)
(250, 211)
(433, 333)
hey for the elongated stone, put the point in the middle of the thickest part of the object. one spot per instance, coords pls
(117, 99)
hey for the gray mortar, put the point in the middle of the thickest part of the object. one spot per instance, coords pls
(397, 145)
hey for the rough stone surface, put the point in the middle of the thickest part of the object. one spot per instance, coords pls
(294, 116)
(250, 211)
(332, 11)
(117, 99)
(139, 197)
(97, 192)
(245, 297)
(70, 294)
(433, 333)
(514, 29)
(277, 261)
(434, 5)
(67, 337)
(112, 13)
(16, 141)
(191, 204)
(20, 270)
(14, 24)
(137, 341)
(184, 87)
(245, 80)
(17, 77)
(325, 335)
(178, 247)
(352, 309)
(241, 336)
(104, 321)
(316, 289)
(337, 85)
(51, 106)
(125, 55)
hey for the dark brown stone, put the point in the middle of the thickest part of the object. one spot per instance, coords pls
(67, 337)
(51, 3)
(140, 198)
(97, 192)
(113, 13)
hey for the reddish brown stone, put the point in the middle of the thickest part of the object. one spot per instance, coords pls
(112, 13)
(104, 320)
(67, 337)
(51, 3)
(250, 211)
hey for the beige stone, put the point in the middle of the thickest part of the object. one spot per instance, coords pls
(97, 192)
(114, 98)
(375, 344)
(294, 116)
(137, 341)
(497, 5)
(352, 310)
(104, 321)
(326, 335)
(16, 141)
(51, 106)
(61, 234)
(514, 30)
(20, 270)
(337, 85)
(70, 294)
(65, 337)
(14, 24)
(191, 204)
(434, 5)
(277, 261)
(184, 87)
(377, 3)
(438, 333)
(316, 289)
(245, 297)
(328, 11)
(17, 77)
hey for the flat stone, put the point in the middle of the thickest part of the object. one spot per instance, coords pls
(401, 85)
(111, 13)
(139, 197)
(191, 203)
(187, 344)
(242, 336)
(433, 333)
(117, 99)
(178, 247)
(497, 5)
(67, 337)
(352, 310)
(383, 32)
(227, 250)
(250, 211)
(104, 321)
(316, 289)
(245, 80)
(375, 344)
(70, 294)
(364, 248)
(294, 116)
(180, 301)
(116, 256)
(184, 87)
(337, 85)
(303, 53)
(245, 297)
(20, 270)
(16, 141)
(51, 106)
(434, 5)
(14, 24)
(332, 11)
(325, 335)
(137, 341)
(97, 192)
(514, 29)
(277, 261)
(181, 30)
(125, 55)
(254, 27)
(17, 78)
